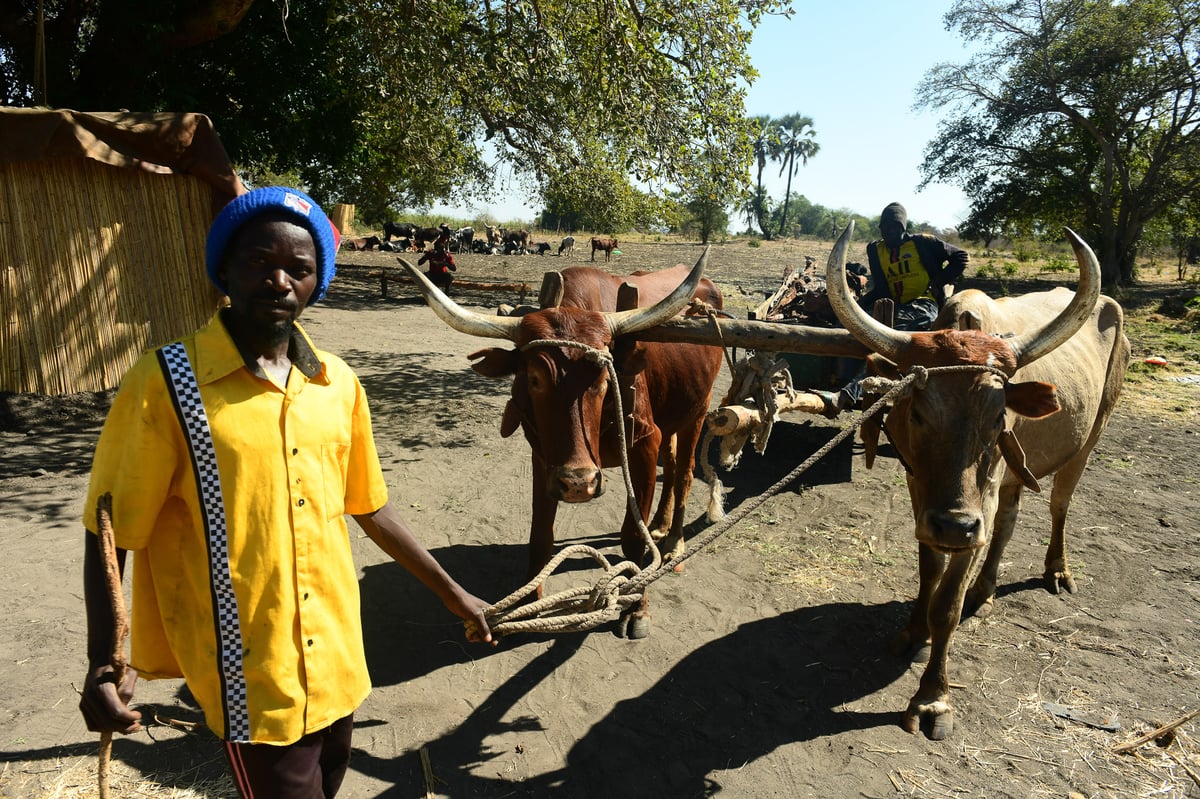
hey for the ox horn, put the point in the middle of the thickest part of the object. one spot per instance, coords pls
(1028, 347)
(625, 322)
(873, 334)
(457, 317)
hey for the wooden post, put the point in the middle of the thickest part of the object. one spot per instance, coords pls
(116, 599)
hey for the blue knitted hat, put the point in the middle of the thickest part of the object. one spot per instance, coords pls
(294, 204)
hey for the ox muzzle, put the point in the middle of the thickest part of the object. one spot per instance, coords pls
(580, 484)
(952, 531)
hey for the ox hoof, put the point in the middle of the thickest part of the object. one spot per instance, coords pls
(1058, 581)
(633, 627)
(979, 608)
(934, 719)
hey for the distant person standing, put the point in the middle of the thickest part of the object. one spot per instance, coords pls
(917, 272)
(441, 264)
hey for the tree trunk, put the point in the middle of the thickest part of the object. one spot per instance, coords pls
(787, 195)
(759, 211)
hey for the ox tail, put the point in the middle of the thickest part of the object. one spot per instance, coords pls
(716, 491)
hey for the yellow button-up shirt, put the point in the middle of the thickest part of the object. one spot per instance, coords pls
(292, 461)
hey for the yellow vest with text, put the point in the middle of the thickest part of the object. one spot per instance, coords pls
(907, 277)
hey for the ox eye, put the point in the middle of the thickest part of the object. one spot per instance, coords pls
(916, 418)
(535, 381)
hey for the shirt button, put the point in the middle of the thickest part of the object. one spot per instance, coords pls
(306, 595)
(310, 642)
(300, 503)
(294, 450)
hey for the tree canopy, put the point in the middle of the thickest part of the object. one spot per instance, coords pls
(1073, 112)
(397, 104)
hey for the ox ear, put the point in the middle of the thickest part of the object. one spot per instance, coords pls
(511, 419)
(1014, 456)
(1032, 400)
(879, 365)
(869, 433)
(629, 357)
(496, 362)
(551, 294)
(970, 320)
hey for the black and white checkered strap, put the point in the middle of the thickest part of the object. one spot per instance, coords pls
(185, 393)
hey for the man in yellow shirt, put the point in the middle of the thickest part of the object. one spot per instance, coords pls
(916, 271)
(232, 457)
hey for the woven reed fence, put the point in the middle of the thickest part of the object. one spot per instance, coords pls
(97, 264)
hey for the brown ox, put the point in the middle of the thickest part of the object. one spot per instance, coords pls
(562, 400)
(424, 235)
(606, 245)
(1044, 370)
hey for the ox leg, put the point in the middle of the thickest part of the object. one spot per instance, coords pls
(981, 598)
(929, 710)
(541, 527)
(1057, 576)
(683, 452)
(643, 470)
(913, 640)
(660, 526)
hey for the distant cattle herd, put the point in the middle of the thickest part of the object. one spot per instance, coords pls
(407, 237)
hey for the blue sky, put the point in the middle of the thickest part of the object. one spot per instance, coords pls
(853, 67)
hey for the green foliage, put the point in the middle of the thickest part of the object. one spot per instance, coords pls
(1072, 112)
(592, 197)
(1024, 251)
(795, 142)
(394, 106)
(1058, 263)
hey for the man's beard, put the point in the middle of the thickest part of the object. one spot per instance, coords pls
(279, 332)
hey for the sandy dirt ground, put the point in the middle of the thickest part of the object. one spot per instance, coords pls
(766, 673)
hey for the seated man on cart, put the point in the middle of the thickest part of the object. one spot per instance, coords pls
(917, 272)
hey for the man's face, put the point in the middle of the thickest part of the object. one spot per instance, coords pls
(892, 232)
(270, 271)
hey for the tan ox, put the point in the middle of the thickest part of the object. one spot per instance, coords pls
(1044, 370)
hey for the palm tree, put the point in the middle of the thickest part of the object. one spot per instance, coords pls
(764, 138)
(795, 141)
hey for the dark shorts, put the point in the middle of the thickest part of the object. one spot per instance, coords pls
(311, 768)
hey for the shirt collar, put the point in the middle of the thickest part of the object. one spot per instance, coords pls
(218, 355)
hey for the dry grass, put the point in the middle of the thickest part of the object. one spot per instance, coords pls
(77, 780)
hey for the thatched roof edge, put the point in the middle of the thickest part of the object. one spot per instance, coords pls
(178, 143)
